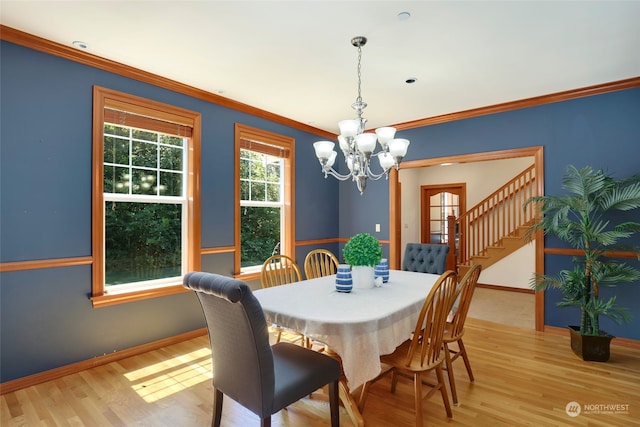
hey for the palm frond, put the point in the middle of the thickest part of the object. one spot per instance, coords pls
(622, 198)
(581, 219)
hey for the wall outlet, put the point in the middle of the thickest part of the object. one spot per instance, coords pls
(377, 228)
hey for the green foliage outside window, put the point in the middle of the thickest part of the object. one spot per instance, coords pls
(260, 224)
(259, 233)
(143, 242)
(143, 238)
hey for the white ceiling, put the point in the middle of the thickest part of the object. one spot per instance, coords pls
(295, 59)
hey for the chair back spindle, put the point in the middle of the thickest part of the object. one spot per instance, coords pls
(427, 337)
(320, 263)
(279, 270)
(466, 288)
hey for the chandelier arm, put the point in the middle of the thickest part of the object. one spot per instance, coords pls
(335, 174)
(374, 176)
(382, 151)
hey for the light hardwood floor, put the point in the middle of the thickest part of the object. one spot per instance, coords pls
(523, 378)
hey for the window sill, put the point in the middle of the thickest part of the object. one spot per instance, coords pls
(246, 277)
(121, 298)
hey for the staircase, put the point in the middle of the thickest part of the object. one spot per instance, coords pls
(495, 227)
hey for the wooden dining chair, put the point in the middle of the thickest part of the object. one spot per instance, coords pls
(279, 270)
(454, 330)
(319, 263)
(262, 378)
(424, 351)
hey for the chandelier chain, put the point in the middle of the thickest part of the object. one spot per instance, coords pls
(357, 146)
(359, 99)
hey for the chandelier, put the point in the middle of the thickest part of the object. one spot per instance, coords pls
(357, 146)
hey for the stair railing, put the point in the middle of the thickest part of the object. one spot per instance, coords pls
(497, 216)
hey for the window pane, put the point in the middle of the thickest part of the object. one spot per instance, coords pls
(116, 180)
(244, 190)
(143, 182)
(257, 168)
(273, 192)
(116, 130)
(144, 154)
(142, 242)
(170, 184)
(259, 234)
(245, 167)
(273, 171)
(257, 191)
(171, 140)
(171, 158)
(144, 135)
(116, 150)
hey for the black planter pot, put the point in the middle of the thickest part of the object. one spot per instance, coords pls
(591, 348)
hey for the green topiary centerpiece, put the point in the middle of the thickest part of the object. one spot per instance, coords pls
(362, 250)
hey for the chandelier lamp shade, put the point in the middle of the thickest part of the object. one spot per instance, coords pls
(358, 146)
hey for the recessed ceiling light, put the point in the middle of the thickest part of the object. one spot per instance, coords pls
(403, 16)
(411, 80)
(80, 45)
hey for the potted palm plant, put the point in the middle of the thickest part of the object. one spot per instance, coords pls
(585, 218)
(362, 252)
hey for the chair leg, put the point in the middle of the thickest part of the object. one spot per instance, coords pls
(463, 352)
(363, 396)
(394, 381)
(265, 422)
(452, 381)
(417, 392)
(443, 391)
(334, 404)
(217, 407)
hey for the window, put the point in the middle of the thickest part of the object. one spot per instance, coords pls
(145, 201)
(264, 208)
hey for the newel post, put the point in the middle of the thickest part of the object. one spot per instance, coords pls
(451, 233)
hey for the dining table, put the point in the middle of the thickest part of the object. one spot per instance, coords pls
(357, 326)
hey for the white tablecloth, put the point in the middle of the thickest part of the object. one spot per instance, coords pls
(359, 326)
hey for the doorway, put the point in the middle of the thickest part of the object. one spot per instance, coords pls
(399, 226)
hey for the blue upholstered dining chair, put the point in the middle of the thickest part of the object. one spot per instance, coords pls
(425, 258)
(262, 378)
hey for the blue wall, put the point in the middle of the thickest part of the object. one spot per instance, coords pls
(46, 319)
(602, 131)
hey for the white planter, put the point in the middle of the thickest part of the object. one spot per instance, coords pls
(363, 276)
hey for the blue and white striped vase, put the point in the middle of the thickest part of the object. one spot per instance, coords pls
(382, 270)
(344, 282)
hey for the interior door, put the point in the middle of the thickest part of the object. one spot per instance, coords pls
(437, 204)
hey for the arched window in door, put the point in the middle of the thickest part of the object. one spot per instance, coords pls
(437, 204)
